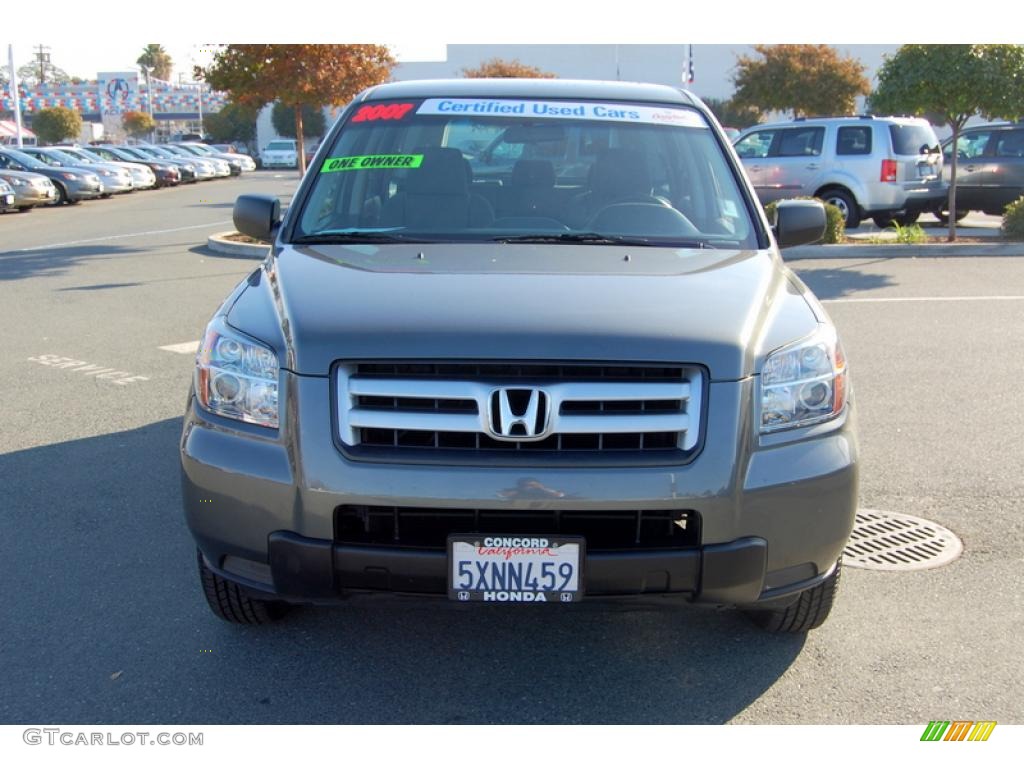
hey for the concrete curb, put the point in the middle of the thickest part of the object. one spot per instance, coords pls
(898, 251)
(221, 244)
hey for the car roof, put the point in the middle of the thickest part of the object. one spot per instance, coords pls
(529, 88)
(847, 120)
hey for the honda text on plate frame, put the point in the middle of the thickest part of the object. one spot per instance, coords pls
(522, 341)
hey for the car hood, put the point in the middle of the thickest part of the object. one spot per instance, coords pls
(26, 175)
(723, 309)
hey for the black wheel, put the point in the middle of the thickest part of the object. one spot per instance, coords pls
(62, 195)
(229, 602)
(845, 202)
(808, 612)
(944, 215)
(882, 221)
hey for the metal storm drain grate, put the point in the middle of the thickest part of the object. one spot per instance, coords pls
(888, 541)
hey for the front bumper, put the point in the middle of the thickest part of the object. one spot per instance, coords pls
(27, 197)
(774, 517)
(84, 190)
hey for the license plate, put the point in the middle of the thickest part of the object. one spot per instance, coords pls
(924, 170)
(507, 569)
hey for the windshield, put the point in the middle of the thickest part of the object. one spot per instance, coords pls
(282, 145)
(82, 156)
(27, 160)
(550, 171)
(62, 157)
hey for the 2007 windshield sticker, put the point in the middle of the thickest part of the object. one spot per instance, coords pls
(370, 162)
(621, 113)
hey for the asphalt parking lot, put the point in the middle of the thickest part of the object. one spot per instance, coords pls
(103, 620)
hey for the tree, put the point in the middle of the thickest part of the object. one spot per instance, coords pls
(282, 117)
(28, 74)
(138, 124)
(731, 114)
(951, 84)
(234, 122)
(55, 124)
(297, 75)
(807, 79)
(155, 62)
(502, 68)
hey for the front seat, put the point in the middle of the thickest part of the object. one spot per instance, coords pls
(618, 175)
(436, 196)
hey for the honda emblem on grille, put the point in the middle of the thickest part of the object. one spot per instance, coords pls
(519, 414)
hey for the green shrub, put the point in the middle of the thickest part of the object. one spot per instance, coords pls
(1013, 220)
(910, 234)
(835, 224)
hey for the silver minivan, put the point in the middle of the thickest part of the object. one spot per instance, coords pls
(885, 168)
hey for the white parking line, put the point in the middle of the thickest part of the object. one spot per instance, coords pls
(185, 348)
(894, 299)
(211, 225)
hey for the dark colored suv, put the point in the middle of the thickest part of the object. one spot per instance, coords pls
(990, 168)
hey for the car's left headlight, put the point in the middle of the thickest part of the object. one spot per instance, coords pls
(236, 376)
(804, 383)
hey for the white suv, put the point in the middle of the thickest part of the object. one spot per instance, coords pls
(280, 153)
(886, 168)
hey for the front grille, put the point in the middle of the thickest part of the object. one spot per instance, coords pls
(428, 528)
(451, 411)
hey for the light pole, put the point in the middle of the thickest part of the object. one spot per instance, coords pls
(15, 96)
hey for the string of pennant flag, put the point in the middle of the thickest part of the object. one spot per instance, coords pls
(91, 100)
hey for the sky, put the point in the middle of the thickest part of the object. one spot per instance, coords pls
(111, 39)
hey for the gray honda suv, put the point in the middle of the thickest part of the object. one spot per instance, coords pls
(585, 375)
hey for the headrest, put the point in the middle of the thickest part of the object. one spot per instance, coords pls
(620, 173)
(533, 173)
(443, 172)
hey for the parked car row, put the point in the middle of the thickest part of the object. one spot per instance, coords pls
(890, 169)
(33, 176)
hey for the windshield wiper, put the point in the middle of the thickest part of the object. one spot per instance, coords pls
(595, 238)
(357, 236)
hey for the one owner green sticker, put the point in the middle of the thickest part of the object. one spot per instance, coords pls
(370, 162)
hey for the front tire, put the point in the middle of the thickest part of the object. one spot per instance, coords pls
(808, 612)
(846, 203)
(228, 602)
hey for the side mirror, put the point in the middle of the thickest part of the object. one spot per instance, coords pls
(257, 216)
(799, 222)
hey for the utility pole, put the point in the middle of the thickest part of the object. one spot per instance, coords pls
(44, 59)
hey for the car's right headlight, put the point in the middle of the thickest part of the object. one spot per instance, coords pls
(236, 376)
(804, 383)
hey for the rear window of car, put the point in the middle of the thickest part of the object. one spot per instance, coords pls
(908, 139)
(485, 170)
(285, 145)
